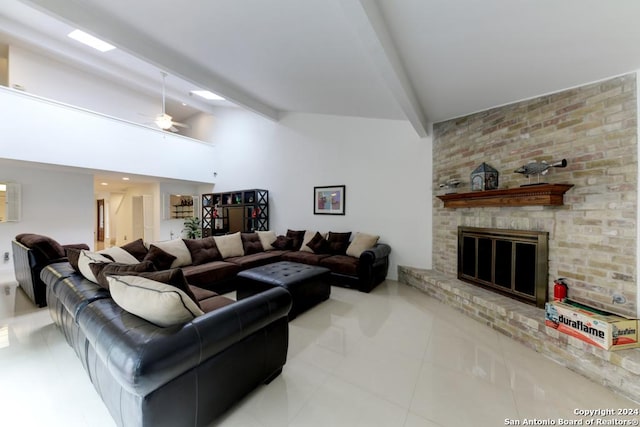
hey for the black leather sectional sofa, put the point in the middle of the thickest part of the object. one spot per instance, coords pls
(190, 373)
(183, 375)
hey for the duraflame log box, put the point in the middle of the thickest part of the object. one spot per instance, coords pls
(592, 326)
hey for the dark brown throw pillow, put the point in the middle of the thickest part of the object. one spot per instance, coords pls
(251, 243)
(318, 244)
(102, 269)
(45, 246)
(338, 242)
(161, 259)
(173, 277)
(282, 243)
(202, 250)
(72, 256)
(136, 248)
(297, 238)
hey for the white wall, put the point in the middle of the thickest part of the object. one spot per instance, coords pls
(38, 130)
(56, 204)
(385, 166)
(46, 77)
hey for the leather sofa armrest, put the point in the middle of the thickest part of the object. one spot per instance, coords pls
(379, 252)
(155, 356)
(229, 324)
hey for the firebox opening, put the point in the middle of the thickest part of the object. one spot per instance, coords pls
(510, 262)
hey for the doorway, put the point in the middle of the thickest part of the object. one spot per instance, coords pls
(142, 217)
(100, 220)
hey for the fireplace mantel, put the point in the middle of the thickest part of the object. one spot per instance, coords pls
(530, 195)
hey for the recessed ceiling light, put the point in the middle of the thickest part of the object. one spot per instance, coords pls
(208, 95)
(125, 178)
(104, 183)
(90, 40)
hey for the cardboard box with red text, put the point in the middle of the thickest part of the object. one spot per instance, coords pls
(604, 330)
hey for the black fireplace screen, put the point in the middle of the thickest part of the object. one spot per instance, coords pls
(511, 262)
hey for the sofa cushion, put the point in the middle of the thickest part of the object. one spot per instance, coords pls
(308, 235)
(159, 303)
(203, 250)
(255, 260)
(319, 245)
(178, 249)
(361, 242)
(119, 255)
(214, 303)
(136, 248)
(267, 238)
(296, 237)
(161, 259)
(43, 245)
(283, 243)
(338, 242)
(251, 243)
(201, 293)
(85, 259)
(230, 245)
(304, 257)
(205, 275)
(341, 264)
(101, 270)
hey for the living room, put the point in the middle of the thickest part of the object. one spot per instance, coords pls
(386, 165)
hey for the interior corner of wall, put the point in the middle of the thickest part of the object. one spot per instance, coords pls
(637, 210)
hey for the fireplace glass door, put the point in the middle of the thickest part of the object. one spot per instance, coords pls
(510, 262)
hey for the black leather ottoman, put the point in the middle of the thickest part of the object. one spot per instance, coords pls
(307, 284)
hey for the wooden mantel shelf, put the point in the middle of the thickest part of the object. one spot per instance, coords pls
(531, 195)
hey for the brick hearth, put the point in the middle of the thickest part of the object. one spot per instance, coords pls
(617, 370)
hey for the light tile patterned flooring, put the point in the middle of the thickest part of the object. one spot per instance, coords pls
(394, 357)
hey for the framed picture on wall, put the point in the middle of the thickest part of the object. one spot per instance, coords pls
(328, 200)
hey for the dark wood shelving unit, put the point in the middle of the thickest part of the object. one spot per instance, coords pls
(530, 195)
(229, 212)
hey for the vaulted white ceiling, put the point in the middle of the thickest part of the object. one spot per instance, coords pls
(420, 60)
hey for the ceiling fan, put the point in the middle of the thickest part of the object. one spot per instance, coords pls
(163, 120)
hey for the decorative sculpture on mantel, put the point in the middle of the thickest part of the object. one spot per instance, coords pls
(450, 184)
(539, 168)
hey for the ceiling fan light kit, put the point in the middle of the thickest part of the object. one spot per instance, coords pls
(163, 121)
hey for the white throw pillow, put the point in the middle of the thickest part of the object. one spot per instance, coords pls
(308, 235)
(229, 245)
(178, 249)
(119, 255)
(158, 303)
(360, 243)
(87, 257)
(267, 238)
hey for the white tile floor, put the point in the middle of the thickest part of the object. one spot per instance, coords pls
(394, 357)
